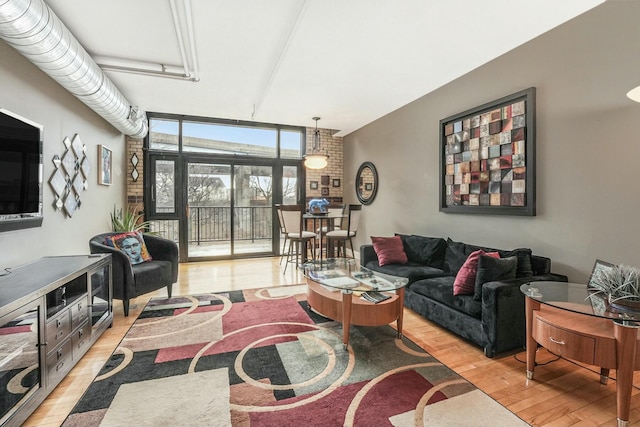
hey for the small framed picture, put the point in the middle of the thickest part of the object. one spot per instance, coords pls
(313, 185)
(368, 186)
(104, 165)
(324, 179)
(598, 266)
(325, 191)
(336, 182)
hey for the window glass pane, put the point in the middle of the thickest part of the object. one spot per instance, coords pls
(163, 134)
(167, 228)
(209, 195)
(290, 144)
(165, 186)
(253, 231)
(289, 185)
(227, 139)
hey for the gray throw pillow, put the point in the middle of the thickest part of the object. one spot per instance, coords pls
(492, 270)
(524, 268)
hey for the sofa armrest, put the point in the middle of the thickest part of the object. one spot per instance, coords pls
(503, 315)
(367, 254)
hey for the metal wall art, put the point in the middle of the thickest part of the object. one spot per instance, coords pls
(134, 171)
(70, 175)
(488, 158)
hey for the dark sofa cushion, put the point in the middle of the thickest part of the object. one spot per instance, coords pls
(441, 289)
(424, 250)
(411, 271)
(524, 268)
(493, 269)
(455, 255)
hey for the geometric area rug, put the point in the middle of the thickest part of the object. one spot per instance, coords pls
(260, 358)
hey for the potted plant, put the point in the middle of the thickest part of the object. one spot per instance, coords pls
(620, 285)
(128, 221)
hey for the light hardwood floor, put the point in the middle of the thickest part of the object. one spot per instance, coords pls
(562, 394)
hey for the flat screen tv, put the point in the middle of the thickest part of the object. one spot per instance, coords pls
(20, 172)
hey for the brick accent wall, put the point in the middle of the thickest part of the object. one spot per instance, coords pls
(135, 188)
(334, 170)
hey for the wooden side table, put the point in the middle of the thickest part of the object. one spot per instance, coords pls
(560, 318)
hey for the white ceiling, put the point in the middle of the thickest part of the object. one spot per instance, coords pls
(286, 61)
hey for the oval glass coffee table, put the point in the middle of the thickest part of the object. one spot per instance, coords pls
(343, 292)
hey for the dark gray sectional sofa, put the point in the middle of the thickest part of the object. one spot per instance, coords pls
(494, 319)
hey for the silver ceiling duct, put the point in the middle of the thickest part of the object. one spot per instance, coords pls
(35, 31)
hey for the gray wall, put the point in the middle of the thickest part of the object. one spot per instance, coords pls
(27, 91)
(588, 155)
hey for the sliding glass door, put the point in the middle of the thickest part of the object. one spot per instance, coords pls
(230, 209)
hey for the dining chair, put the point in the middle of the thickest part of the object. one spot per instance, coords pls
(283, 231)
(296, 235)
(333, 210)
(338, 238)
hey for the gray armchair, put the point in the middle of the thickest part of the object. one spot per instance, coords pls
(130, 281)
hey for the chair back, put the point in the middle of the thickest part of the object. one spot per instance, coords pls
(283, 230)
(354, 218)
(337, 209)
(292, 218)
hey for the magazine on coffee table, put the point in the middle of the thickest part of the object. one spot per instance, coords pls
(376, 283)
(374, 296)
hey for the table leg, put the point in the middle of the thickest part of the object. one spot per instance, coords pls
(626, 339)
(532, 345)
(314, 225)
(347, 300)
(400, 293)
(604, 376)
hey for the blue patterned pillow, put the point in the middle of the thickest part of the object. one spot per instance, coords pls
(132, 244)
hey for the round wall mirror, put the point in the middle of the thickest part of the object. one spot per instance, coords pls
(366, 183)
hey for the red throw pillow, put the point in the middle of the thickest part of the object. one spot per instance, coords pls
(465, 282)
(391, 251)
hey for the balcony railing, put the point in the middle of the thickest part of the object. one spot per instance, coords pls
(213, 224)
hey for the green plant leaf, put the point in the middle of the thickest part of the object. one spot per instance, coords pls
(124, 221)
(620, 282)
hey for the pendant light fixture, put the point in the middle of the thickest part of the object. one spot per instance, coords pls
(316, 160)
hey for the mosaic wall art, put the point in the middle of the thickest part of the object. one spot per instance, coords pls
(488, 158)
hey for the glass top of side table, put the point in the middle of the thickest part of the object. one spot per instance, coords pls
(578, 298)
(343, 274)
